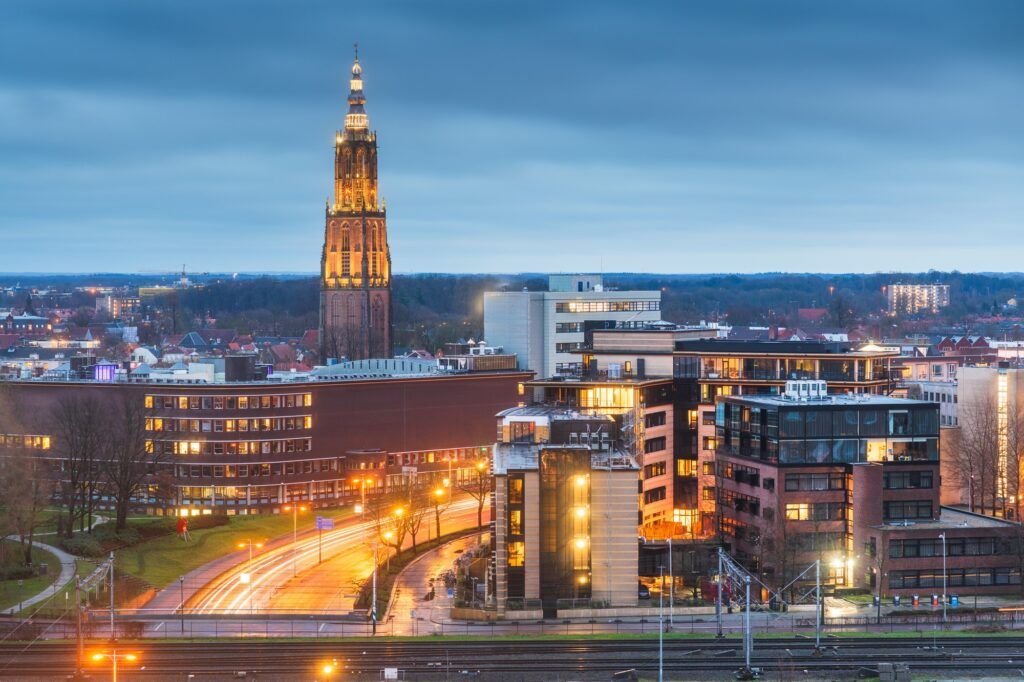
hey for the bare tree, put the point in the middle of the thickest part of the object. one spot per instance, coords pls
(129, 461)
(477, 485)
(78, 436)
(974, 450)
(25, 491)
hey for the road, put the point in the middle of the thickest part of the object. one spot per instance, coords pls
(292, 578)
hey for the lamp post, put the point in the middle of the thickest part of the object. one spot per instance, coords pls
(295, 509)
(438, 494)
(246, 578)
(671, 586)
(114, 657)
(388, 535)
(181, 607)
(942, 536)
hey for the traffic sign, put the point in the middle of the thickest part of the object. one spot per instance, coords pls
(324, 523)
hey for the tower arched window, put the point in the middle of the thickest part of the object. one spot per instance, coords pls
(347, 162)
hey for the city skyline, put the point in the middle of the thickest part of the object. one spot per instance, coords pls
(799, 137)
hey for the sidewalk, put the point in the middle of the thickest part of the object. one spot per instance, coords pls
(410, 613)
(67, 574)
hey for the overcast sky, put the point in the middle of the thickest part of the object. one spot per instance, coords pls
(517, 136)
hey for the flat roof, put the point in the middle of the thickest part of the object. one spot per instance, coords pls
(526, 457)
(578, 381)
(951, 519)
(838, 399)
(737, 347)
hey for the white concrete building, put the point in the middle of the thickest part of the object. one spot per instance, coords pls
(544, 327)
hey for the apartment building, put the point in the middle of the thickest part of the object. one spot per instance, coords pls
(564, 510)
(911, 299)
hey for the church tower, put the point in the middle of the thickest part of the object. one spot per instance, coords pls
(355, 267)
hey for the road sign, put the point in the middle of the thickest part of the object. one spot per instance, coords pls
(324, 523)
(390, 673)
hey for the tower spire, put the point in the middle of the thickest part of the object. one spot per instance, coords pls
(356, 120)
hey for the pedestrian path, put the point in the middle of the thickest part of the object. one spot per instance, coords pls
(410, 612)
(67, 574)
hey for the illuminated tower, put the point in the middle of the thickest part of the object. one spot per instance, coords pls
(355, 267)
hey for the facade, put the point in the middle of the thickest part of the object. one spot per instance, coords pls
(904, 556)
(565, 512)
(708, 370)
(911, 299)
(250, 447)
(546, 329)
(787, 488)
(355, 266)
(643, 411)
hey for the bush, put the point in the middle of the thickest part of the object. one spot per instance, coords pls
(851, 591)
(17, 572)
(83, 545)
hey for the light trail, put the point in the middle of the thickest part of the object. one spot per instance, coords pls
(271, 570)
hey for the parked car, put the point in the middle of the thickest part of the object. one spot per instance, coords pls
(642, 592)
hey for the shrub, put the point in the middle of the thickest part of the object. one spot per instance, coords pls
(851, 591)
(83, 545)
(17, 572)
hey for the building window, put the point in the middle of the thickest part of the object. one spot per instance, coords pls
(515, 522)
(516, 554)
(654, 444)
(686, 467)
(654, 495)
(907, 509)
(798, 511)
(654, 419)
(568, 327)
(656, 469)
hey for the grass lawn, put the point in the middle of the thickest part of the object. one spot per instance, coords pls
(14, 591)
(162, 560)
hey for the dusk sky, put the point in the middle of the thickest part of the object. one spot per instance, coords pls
(517, 136)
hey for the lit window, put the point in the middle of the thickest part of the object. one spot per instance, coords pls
(798, 511)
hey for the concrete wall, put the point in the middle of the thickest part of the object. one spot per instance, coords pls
(614, 553)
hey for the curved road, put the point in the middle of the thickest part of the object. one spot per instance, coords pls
(292, 579)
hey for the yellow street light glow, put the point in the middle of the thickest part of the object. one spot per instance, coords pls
(98, 657)
(582, 580)
(581, 512)
(581, 543)
(439, 492)
(388, 535)
(244, 578)
(581, 481)
(242, 545)
(359, 508)
(837, 563)
(130, 657)
(399, 511)
(480, 466)
(328, 668)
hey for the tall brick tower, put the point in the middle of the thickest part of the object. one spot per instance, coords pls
(355, 267)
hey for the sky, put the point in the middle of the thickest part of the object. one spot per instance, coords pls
(674, 137)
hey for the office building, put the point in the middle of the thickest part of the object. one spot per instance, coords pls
(565, 512)
(545, 329)
(787, 471)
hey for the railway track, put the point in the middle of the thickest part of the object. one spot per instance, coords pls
(435, 657)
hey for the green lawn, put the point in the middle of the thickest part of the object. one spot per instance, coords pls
(14, 591)
(162, 560)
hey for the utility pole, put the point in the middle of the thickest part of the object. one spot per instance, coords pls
(943, 536)
(718, 596)
(78, 633)
(113, 635)
(817, 604)
(373, 604)
(671, 586)
(181, 607)
(749, 635)
(661, 626)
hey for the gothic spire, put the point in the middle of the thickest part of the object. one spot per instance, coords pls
(356, 119)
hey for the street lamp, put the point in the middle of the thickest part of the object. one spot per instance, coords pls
(328, 668)
(181, 608)
(114, 658)
(246, 578)
(438, 495)
(388, 535)
(295, 509)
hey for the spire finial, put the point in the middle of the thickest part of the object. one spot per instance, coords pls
(355, 48)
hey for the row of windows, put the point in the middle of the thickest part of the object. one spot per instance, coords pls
(907, 509)
(30, 442)
(654, 495)
(606, 306)
(899, 480)
(568, 327)
(229, 425)
(955, 577)
(796, 482)
(936, 397)
(244, 447)
(819, 511)
(568, 347)
(229, 402)
(255, 470)
(905, 549)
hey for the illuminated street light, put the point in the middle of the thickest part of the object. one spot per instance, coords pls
(246, 577)
(294, 509)
(114, 657)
